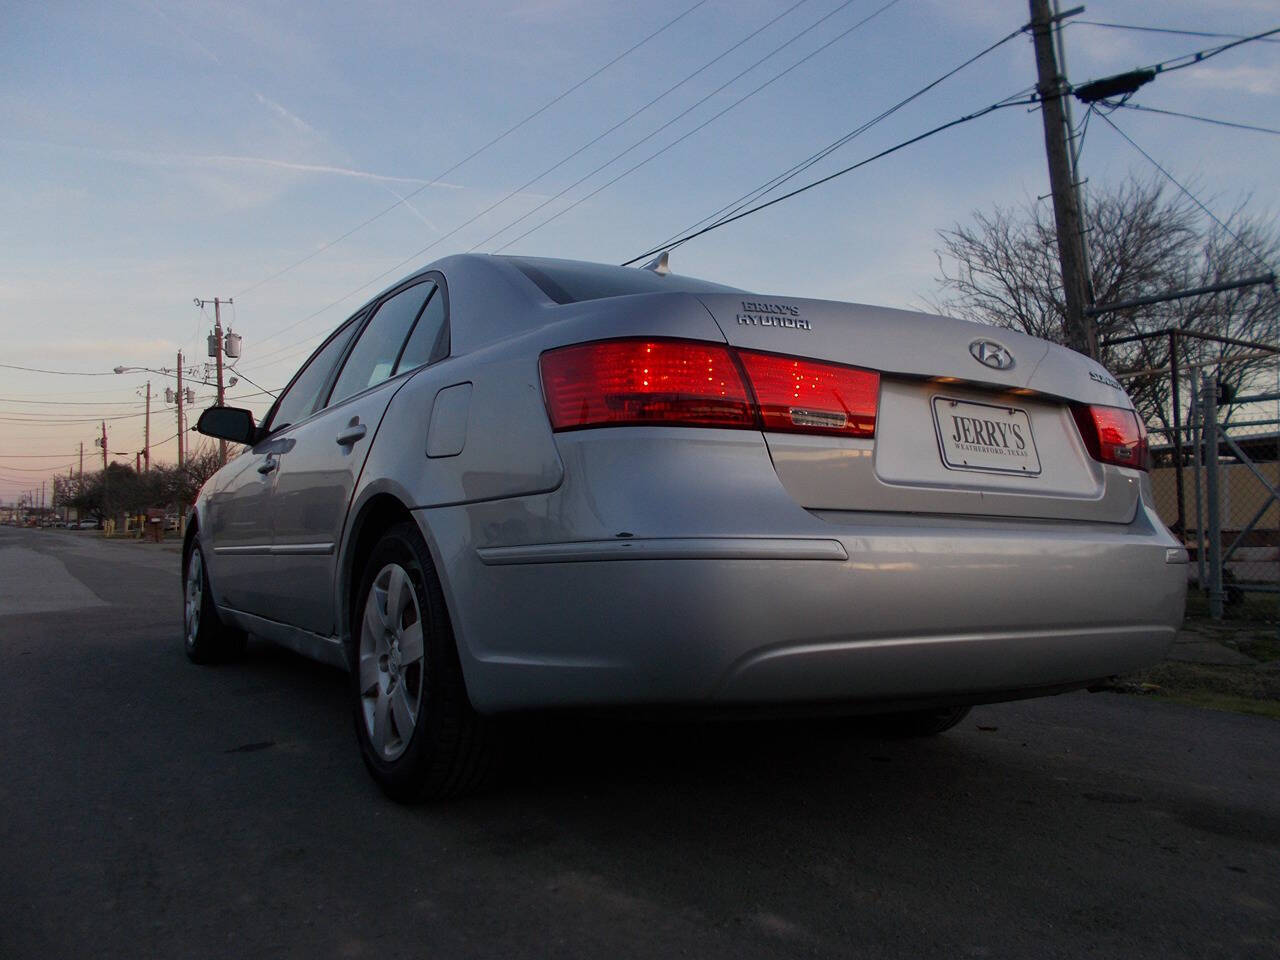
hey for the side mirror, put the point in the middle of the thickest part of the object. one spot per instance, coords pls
(228, 423)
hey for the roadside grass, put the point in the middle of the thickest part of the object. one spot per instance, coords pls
(1250, 688)
(1243, 689)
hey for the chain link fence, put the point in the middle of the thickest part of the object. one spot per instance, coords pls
(1230, 503)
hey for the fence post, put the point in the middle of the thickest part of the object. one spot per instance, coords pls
(1209, 402)
(1175, 403)
(1197, 460)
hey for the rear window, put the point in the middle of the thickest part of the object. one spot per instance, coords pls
(571, 281)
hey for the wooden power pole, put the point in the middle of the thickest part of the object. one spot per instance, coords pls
(181, 438)
(146, 440)
(217, 332)
(216, 344)
(1051, 88)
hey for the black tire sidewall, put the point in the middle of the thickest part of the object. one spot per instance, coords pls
(214, 641)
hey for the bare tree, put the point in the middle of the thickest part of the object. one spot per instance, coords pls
(1144, 239)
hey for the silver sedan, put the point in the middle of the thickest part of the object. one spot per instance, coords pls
(511, 483)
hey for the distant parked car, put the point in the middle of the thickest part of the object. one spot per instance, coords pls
(511, 483)
(87, 525)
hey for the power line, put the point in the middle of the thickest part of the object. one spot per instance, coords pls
(60, 373)
(839, 173)
(54, 421)
(1084, 132)
(45, 470)
(1194, 199)
(590, 143)
(560, 213)
(76, 403)
(1183, 61)
(772, 184)
(1182, 33)
(263, 389)
(418, 253)
(1192, 116)
(475, 153)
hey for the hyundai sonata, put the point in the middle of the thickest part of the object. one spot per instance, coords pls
(511, 483)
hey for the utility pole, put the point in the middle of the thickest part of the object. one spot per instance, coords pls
(81, 462)
(217, 332)
(216, 347)
(146, 441)
(1074, 144)
(106, 480)
(1051, 89)
(181, 439)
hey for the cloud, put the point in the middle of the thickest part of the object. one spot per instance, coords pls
(411, 208)
(292, 118)
(1243, 78)
(301, 168)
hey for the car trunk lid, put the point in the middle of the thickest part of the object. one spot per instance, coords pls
(971, 419)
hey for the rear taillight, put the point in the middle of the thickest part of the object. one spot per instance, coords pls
(1113, 435)
(808, 396)
(621, 382)
(690, 383)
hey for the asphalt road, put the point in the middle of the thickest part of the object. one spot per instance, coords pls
(152, 808)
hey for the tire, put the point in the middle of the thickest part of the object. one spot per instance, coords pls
(920, 723)
(205, 637)
(419, 736)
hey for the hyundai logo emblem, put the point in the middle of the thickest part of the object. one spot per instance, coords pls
(991, 354)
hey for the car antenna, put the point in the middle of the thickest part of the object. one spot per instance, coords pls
(659, 264)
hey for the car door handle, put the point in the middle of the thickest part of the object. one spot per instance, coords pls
(269, 464)
(353, 433)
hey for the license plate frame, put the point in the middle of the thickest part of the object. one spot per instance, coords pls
(985, 437)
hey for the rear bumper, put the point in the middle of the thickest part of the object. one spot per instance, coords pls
(859, 608)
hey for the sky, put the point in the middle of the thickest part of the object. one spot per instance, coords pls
(298, 158)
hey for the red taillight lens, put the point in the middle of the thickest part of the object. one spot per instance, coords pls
(808, 396)
(680, 382)
(1113, 435)
(619, 382)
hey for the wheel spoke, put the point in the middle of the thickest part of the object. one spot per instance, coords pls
(381, 723)
(194, 594)
(369, 673)
(410, 639)
(403, 711)
(397, 587)
(375, 632)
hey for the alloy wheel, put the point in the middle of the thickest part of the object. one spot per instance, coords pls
(194, 594)
(391, 662)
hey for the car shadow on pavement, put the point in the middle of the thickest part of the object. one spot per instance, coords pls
(793, 836)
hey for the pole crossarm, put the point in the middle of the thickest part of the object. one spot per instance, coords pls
(1262, 278)
(1216, 338)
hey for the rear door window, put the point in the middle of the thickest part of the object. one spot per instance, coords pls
(373, 358)
(429, 340)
